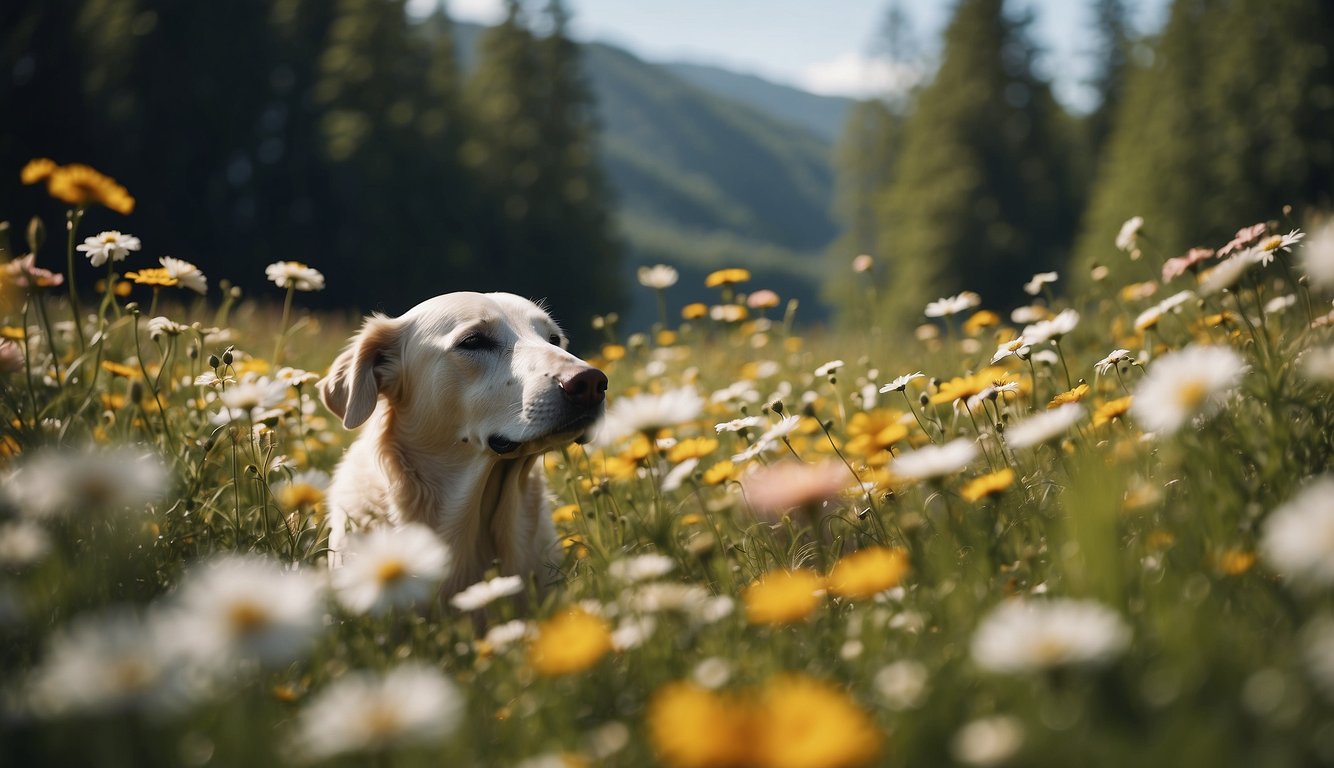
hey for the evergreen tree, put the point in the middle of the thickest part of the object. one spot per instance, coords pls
(1114, 40)
(983, 195)
(1232, 120)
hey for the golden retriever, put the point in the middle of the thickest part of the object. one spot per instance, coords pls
(459, 398)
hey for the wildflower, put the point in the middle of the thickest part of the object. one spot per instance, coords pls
(802, 722)
(22, 543)
(762, 299)
(37, 169)
(114, 660)
(1115, 358)
(868, 572)
(185, 274)
(1017, 346)
(1185, 384)
(1227, 273)
(784, 485)
(901, 383)
(870, 432)
(659, 596)
(901, 684)
(712, 673)
(1317, 364)
(719, 473)
(988, 741)
(828, 368)
(728, 313)
(483, 593)
(570, 642)
(304, 490)
(387, 568)
(736, 425)
(632, 632)
(294, 274)
(1070, 396)
(1266, 249)
(694, 311)
(151, 276)
(1126, 238)
(81, 185)
(690, 726)
(1178, 266)
(658, 277)
(673, 480)
(783, 597)
(164, 326)
(862, 263)
(641, 568)
(692, 448)
(1318, 257)
(370, 712)
(1034, 286)
(986, 485)
(778, 432)
(504, 635)
(724, 277)
(1112, 409)
(255, 398)
(1029, 314)
(1030, 635)
(110, 245)
(1245, 237)
(23, 272)
(648, 413)
(1045, 426)
(1298, 536)
(11, 357)
(953, 305)
(247, 607)
(934, 460)
(1053, 329)
(48, 483)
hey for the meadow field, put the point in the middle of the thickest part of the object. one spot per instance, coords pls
(1096, 529)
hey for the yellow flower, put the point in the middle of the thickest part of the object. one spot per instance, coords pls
(82, 185)
(981, 319)
(1234, 562)
(151, 276)
(694, 311)
(666, 338)
(613, 352)
(693, 727)
(871, 432)
(806, 723)
(1071, 396)
(986, 485)
(726, 277)
(11, 332)
(119, 369)
(966, 386)
(868, 572)
(1112, 409)
(568, 643)
(575, 543)
(36, 170)
(719, 473)
(300, 496)
(692, 448)
(782, 597)
(565, 513)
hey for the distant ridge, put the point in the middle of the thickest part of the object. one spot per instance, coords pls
(823, 116)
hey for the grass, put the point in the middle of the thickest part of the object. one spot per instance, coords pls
(820, 603)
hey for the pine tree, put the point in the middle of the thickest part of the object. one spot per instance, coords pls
(983, 195)
(1114, 41)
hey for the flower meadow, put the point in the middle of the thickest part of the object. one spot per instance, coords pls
(1098, 527)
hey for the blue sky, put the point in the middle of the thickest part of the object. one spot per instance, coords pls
(819, 45)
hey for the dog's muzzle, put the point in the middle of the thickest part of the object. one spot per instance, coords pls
(584, 393)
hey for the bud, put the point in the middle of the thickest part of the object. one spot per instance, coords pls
(227, 357)
(132, 308)
(924, 400)
(213, 361)
(777, 407)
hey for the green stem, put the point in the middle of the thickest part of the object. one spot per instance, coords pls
(71, 227)
(282, 328)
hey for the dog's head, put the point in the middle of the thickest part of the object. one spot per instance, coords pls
(489, 371)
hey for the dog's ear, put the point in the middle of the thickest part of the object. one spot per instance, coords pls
(367, 368)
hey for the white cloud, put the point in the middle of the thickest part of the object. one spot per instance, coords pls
(479, 11)
(858, 75)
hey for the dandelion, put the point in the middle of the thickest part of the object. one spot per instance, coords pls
(719, 473)
(901, 383)
(247, 607)
(934, 460)
(48, 483)
(988, 741)
(295, 275)
(953, 305)
(990, 484)
(1030, 635)
(1298, 536)
(802, 722)
(411, 704)
(185, 274)
(1034, 286)
(779, 487)
(1180, 386)
(1129, 234)
(648, 413)
(783, 597)
(81, 185)
(37, 169)
(641, 568)
(694, 311)
(570, 642)
(868, 572)
(980, 320)
(110, 245)
(692, 448)
(658, 277)
(388, 568)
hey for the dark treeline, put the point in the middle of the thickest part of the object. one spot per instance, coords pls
(333, 132)
(978, 178)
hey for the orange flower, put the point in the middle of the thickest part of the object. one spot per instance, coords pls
(569, 643)
(693, 727)
(38, 169)
(986, 485)
(1071, 396)
(782, 597)
(868, 572)
(726, 277)
(802, 722)
(1112, 409)
(82, 185)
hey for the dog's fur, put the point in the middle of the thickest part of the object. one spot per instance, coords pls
(460, 397)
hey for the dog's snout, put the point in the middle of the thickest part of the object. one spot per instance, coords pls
(587, 388)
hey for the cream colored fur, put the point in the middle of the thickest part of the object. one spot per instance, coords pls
(457, 400)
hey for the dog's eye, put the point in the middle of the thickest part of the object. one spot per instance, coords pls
(555, 339)
(475, 342)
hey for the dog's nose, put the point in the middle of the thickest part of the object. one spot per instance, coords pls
(586, 388)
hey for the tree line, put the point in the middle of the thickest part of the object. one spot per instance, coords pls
(979, 178)
(337, 133)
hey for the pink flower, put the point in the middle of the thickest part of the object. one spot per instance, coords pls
(783, 485)
(1176, 267)
(22, 272)
(1245, 237)
(11, 357)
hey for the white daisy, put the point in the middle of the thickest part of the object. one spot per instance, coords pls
(658, 276)
(504, 635)
(1112, 360)
(1125, 239)
(1034, 286)
(294, 274)
(108, 245)
(22, 543)
(988, 741)
(632, 631)
(644, 567)
(953, 305)
(1022, 635)
(1019, 347)
(1298, 536)
(369, 712)
(1317, 364)
(770, 439)
(658, 596)
(187, 275)
(1044, 426)
(387, 568)
(902, 684)
(163, 326)
(1054, 328)
(934, 460)
(828, 368)
(1029, 314)
(736, 425)
(1318, 257)
(52, 482)
(1228, 272)
(483, 593)
(1265, 249)
(1181, 385)
(901, 383)
(1280, 303)
(647, 412)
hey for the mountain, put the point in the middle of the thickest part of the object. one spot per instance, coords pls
(823, 116)
(705, 178)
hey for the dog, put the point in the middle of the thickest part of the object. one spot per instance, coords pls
(458, 398)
